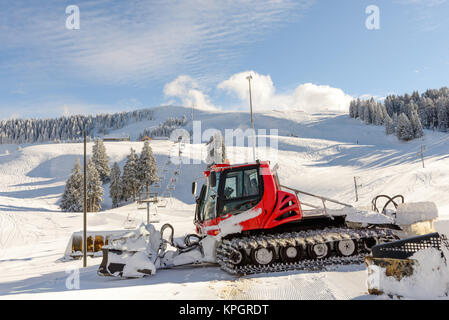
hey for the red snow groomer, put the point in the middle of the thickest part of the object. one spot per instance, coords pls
(261, 226)
(266, 227)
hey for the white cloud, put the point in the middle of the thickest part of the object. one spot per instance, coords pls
(307, 97)
(188, 91)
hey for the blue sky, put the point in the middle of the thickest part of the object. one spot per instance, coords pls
(131, 54)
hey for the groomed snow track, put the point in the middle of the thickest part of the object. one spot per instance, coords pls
(227, 249)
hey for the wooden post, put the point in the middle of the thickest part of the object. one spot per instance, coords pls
(356, 191)
(421, 153)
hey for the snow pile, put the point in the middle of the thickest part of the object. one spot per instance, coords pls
(136, 262)
(365, 217)
(410, 213)
(139, 251)
(430, 278)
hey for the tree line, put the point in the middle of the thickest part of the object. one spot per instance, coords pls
(138, 172)
(164, 129)
(406, 115)
(67, 129)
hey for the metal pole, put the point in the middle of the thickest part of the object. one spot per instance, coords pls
(148, 212)
(85, 204)
(422, 155)
(252, 121)
(356, 193)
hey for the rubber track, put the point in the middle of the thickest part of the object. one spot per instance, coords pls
(227, 247)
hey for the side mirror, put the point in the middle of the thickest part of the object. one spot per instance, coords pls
(194, 187)
(213, 179)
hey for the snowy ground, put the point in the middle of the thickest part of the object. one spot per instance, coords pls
(323, 156)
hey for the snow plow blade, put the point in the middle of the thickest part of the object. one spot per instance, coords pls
(115, 269)
(111, 269)
(395, 259)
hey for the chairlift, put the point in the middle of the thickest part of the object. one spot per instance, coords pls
(166, 194)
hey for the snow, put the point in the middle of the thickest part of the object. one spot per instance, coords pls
(409, 213)
(328, 151)
(429, 280)
(366, 217)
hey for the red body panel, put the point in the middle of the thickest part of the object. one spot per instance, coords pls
(277, 207)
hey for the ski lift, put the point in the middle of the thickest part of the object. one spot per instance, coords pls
(157, 185)
(171, 187)
(166, 194)
(162, 203)
(161, 178)
(165, 170)
(130, 222)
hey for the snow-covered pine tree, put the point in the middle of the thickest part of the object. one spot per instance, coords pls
(442, 105)
(101, 161)
(416, 124)
(115, 188)
(405, 129)
(389, 125)
(72, 199)
(352, 107)
(147, 167)
(130, 180)
(94, 188)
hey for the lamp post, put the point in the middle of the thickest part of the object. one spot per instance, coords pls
(85, 204)
(250, 77)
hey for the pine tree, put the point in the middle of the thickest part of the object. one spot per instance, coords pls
(115, 188)
(130, 181)
(389, 125)
(100, 159)
(72, 199)
(94, 188)
(147, 167)
(404, 130)
(416, 124)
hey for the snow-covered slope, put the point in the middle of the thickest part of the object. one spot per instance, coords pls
(320, 153)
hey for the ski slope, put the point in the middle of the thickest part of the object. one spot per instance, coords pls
(320, 153)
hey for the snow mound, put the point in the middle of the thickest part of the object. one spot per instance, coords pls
(138, 261)
(410, 213)
(366, 217)
(429, 280)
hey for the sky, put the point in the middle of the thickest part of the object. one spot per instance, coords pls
(311, 55)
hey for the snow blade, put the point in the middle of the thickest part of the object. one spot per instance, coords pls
(111, 269)
(404, 249)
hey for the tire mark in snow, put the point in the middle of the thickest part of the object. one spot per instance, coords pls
(295, 287)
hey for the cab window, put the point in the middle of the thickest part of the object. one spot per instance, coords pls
(241, 191)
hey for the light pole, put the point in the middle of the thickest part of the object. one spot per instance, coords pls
(250, 77)
(85, 203)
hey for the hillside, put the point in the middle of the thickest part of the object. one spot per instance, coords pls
(320, 153)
